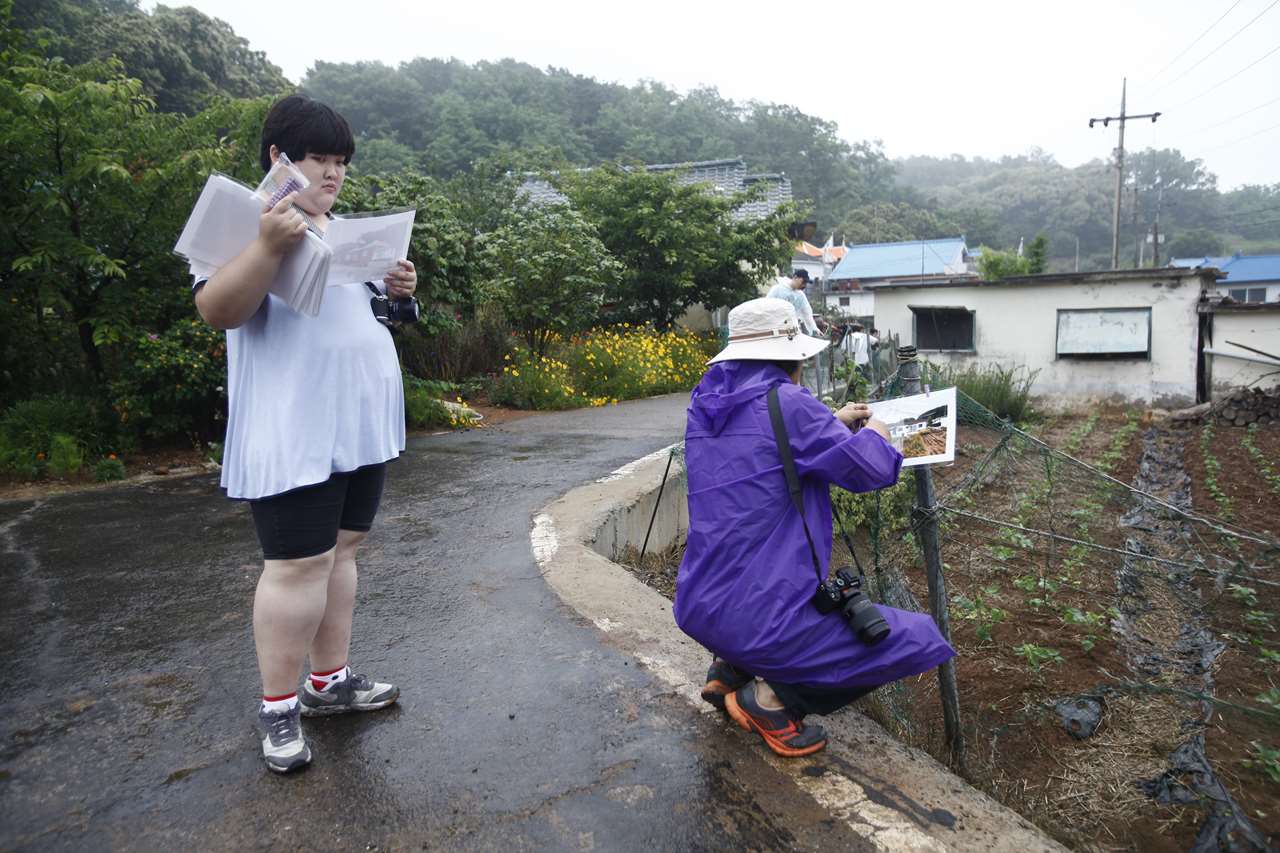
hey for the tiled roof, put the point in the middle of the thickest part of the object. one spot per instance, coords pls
(725, 177)
(899, 260)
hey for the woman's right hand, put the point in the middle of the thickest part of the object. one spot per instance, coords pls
(877, 426)
(281, 227)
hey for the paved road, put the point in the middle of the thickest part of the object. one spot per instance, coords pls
(131, 689)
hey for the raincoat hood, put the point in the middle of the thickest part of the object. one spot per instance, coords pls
(728, 385)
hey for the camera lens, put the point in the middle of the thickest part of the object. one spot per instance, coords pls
(865, 619)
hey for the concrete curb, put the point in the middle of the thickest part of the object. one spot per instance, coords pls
(897, 797)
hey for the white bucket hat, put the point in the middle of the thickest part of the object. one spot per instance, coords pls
(767, 330)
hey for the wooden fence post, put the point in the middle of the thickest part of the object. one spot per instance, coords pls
(925, 524)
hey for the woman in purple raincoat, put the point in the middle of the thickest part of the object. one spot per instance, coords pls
(745, 589)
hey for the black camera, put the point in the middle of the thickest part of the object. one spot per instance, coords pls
(394, 312)
(843, 591)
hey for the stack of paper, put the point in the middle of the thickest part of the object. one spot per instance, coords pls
(359, 248)
(225, 221)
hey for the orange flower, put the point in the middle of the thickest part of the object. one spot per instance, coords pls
(111, 456)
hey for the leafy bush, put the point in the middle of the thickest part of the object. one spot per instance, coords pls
(472, 347)
(173, 383)
(1005, 391)
(422, 405)
(28, 429)
(538, 382)
(108, 468)
(66, 456)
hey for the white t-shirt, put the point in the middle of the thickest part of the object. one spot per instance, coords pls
(309, 396)
(804, 311)
(858, 346)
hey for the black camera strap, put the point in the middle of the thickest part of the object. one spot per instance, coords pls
(783, 443)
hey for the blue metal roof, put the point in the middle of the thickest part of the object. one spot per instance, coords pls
(1238, 269)
(1242, 268)
(897, 260)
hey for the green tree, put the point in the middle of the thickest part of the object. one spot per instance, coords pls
(1196, 243)
(183, 58)
(1037, 256)
(98, 185)
(994, 264)
(549, 271)
(679, 244)
(891, 222)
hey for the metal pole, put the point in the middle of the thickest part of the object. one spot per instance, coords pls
(657, 503)
(926, 524)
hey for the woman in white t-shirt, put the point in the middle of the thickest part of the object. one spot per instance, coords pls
(315, 410)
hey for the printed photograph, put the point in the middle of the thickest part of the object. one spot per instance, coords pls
(922, 426)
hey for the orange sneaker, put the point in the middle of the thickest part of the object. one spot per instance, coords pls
(782, 733)
(722, 679)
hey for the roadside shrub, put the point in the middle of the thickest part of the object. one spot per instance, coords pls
(28, 428)
(473, 347)
(602, 367)
(108, 468)
(1005, 391)
(172, 383)
(66, 456)
(531, 381)
(623, 363)
(422, 404)
(213, 451)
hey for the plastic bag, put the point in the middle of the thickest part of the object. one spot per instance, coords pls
(281, 179)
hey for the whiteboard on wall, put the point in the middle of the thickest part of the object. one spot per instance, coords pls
(1104, 331)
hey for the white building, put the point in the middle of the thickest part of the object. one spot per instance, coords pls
(1132, 336)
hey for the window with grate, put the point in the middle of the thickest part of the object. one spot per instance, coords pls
(943, 328)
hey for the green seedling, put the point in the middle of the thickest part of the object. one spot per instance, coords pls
(1265, 760)
(1039, 656)
(1244, 594)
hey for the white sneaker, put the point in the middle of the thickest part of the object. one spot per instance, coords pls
(283, 746)
(357, 693)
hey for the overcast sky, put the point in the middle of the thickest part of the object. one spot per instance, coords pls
(983, 78)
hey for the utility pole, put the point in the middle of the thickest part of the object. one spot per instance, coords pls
(1155, 227)
(1115, 215)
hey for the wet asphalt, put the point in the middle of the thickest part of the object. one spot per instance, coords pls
(126, 715)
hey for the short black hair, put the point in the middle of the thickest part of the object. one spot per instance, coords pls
(804, 274)
(787, 367)
(299, 126)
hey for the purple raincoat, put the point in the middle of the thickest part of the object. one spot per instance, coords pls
(746, 585)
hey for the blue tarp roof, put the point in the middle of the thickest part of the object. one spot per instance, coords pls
(1238, 269)
(894, 260)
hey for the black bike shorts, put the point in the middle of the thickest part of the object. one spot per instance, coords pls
(305, 522)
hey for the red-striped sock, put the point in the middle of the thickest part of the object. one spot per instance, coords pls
(277, 704)
(324, 680)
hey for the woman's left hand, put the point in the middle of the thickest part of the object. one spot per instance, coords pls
(852, 414)
(401, 281)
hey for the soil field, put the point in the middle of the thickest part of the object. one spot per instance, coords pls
(1109, 673)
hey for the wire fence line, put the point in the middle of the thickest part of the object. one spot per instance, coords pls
(1076, 547)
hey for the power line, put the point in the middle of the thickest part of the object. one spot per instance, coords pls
(1241, 139)
(1219, 47)
(1156, 76)
(1233, 118)
(1266, 55)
